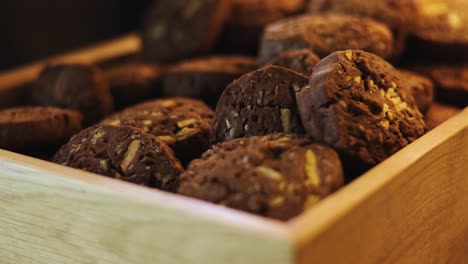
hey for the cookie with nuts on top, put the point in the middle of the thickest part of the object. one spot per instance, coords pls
(80, 87)
(324, 34)
(420, 87)
(31, 128)
(124, 153)
(302, 61)
(134, 82)
(174, 30)
(357, 103)
(278, 175)
(205, 78)
(182, 123)
(259, 103)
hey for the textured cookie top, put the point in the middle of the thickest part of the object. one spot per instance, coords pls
(326, 33)
(259, 103)
(124, 153)
(175, 30)
(184, 124)
(278, 175)
(302, 61)
(357, 102)
(223, 64)
(36, 127)
(75, 86)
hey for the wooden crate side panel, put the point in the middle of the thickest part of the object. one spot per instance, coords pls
(418, 214)
(46, 218)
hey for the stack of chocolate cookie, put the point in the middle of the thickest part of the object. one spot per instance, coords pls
(332, 91)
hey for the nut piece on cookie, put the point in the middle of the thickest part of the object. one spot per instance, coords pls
(278, 175)
(358, 103)
(124, 153)
(259, 103)
(182, 123)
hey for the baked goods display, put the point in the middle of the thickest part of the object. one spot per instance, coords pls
(300, 90)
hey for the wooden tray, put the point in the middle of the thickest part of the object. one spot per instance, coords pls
(412, 208)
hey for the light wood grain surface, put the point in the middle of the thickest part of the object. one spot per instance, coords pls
(79, 217)
(412, 208)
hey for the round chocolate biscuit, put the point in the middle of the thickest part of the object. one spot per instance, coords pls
(420, 87)
(358, 103)
(32, 128)
(131, 83)
(259, 103)
(302, 61)
(248, 18)
(184, 124)
(396, 14)
(277, 175)
(206, 78)
(324, 34)
(174, 30)
(74, 86)
(124, 153)
(439, 113)
(451, 82)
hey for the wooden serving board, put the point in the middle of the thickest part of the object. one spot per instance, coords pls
(411, 208)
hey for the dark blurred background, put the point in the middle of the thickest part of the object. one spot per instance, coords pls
(34, 29)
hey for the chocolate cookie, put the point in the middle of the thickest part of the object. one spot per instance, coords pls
(302, 61)
(438, 114)
(277, 176)
(184, 124)
(324, 34)
(396, 14)
(421, 88)
(174, 30)
(357, 103)
(124, 153)
(74, 86)
(132, 83)
(29, 128)
(441, 29)
(451, 82)
(206, 78)
(248, 18)
(259, 103)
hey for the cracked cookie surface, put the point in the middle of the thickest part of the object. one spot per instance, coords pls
(182, 123)
(124, 153)
(278, 175)
(357, 102)
(259, 103)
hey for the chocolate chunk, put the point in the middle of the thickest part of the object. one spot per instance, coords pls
(174, 30)
(420, 87)
(32, 128)
(206, 78)
(324, 34)
(302, 61)
(184, 124)
(357, 103)
(259, 103)
(132, 83)
(74, 86)
(277, 176)
(124, 153)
